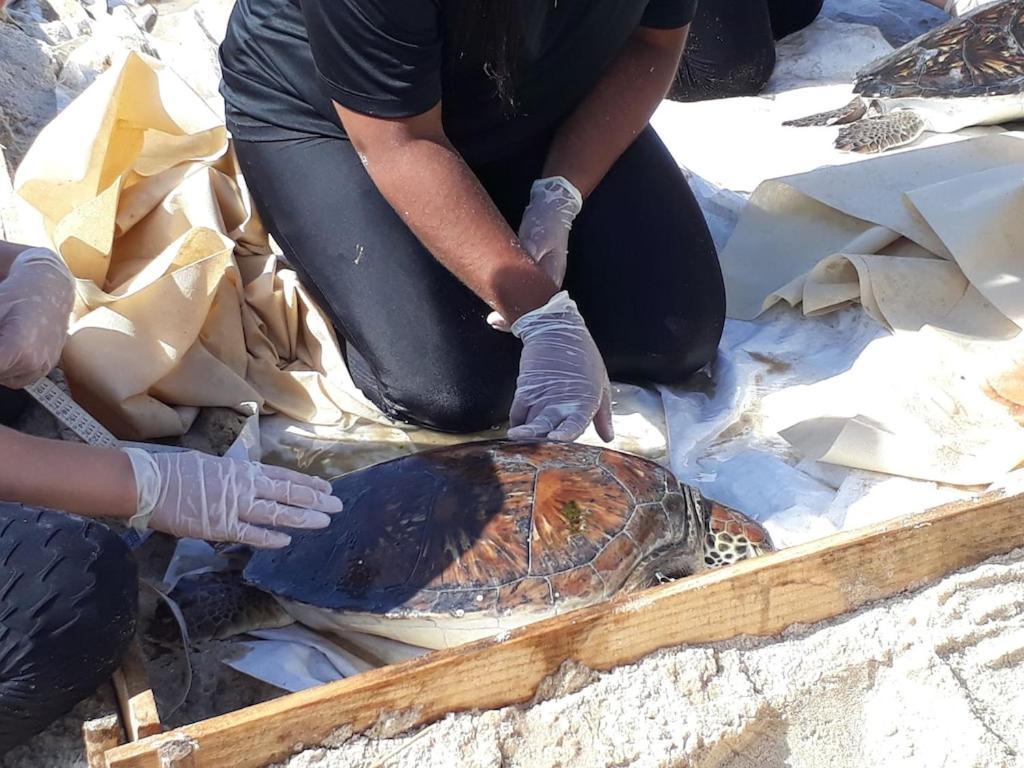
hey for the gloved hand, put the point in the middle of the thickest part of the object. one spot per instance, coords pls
(36, 300)
(563, 384)
(194, 495)
(544, 231)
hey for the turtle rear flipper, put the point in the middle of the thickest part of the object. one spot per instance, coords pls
(216, 606)
(853, 111)
(877, 134)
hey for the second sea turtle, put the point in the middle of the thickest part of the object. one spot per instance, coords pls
(968, 71)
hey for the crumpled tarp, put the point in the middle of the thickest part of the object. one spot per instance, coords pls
(928, 242)
(181, 303)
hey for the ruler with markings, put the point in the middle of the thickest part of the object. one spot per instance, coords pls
(70, 414)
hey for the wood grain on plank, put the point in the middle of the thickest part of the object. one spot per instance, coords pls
(761, 597)
(100, 735)
(138, 706)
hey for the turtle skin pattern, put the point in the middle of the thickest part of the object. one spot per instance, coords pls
(980, 54)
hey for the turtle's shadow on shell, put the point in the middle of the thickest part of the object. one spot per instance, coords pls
(408, 526)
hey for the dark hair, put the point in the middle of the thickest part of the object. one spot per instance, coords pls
(489, 31)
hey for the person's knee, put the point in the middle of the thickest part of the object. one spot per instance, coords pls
(789, 16)
(751, 76)
(669, 348)
(672, 361)
(471, 398)
(456, 409)
(745, 76)
(68, 616)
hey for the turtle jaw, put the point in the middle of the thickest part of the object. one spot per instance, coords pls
(731, 536)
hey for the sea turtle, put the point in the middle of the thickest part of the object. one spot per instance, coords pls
(968, 71)
(454, 544)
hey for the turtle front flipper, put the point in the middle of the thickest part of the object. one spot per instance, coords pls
(877, 134)
(852, 112)
(217, 606)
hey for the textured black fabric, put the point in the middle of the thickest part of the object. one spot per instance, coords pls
(13, 403)
(789, 16)
(68, 602)
(731, 48)
(283, 64)
(642, 267)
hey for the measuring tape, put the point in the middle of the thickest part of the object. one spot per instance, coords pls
(70, 414)
(73, 416)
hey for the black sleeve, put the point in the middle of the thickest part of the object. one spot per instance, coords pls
(377, 57)
(670, 14)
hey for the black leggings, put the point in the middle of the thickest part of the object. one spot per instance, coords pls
(642, 268)
(731, 48)
(68, 602)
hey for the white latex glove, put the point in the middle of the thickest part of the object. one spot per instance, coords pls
(36, 300)
(193, 495)
(563, 384)
(544, 231)
(962, 7)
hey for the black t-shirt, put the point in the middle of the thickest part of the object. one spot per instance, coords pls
(284, 61)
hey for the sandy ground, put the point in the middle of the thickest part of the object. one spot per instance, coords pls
(934, 678)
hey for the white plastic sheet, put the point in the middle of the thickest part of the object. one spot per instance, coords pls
(720, 431)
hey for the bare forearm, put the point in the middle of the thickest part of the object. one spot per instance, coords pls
(617, 110)
(437, 195)
(85, 480)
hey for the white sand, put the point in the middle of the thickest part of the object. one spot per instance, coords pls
(931, 679)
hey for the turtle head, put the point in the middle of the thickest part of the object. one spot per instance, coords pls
(731, 536)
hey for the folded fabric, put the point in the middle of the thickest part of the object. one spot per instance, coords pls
(181, 303)
(955, 202)
(928, 242)
(926, 405)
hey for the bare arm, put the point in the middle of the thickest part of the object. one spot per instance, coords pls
(82, 479)
(428, 183)
(618, 108)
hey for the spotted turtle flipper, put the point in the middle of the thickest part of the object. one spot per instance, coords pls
(878, 134)
(852, 112)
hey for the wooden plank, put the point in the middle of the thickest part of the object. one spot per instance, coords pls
(761, 597)
(101, 734)
(138, 706)
(177, 752)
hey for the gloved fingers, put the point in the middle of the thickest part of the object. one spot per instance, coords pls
(295, 489)
(299, 478)
(520, 409)
(538, 425)
(554, 264)
(20, 381)
(261, 537)
(278, 515)
(574, 425)
(498, 323)
(603, 418)
(15, 370)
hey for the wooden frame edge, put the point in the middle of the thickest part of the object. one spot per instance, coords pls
(762, 597)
